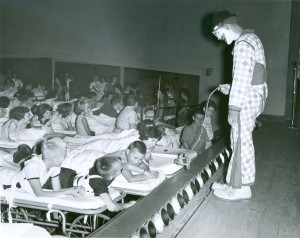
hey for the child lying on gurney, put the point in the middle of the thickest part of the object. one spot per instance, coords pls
(134, 159)
(39, 169)
(97, 180)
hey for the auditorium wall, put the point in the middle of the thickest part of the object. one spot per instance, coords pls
(170, 36)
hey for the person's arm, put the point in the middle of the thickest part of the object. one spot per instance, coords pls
(135, 168)
(39, 192)
(186, 145)
(142, 169)
(11, 127)
(133, 120)
(160, 115)
(184, 140)
(114, 206)
(145, 175)
(86, 126)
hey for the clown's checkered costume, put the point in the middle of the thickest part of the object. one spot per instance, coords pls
(247, 95)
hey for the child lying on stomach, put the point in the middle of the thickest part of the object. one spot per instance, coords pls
(97, 180)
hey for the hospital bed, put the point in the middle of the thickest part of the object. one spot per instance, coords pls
(162, 161)
(75, 217)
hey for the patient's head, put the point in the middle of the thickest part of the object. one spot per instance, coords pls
(82, 106)
(131, 100)
(108, 167)
(65, 109)
(208, 107)
(54, 151)
(150, 136)
(149, 133)
(136, 152)
(44, 111)
(118, 104)
(20, 113)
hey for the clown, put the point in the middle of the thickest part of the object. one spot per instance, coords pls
(247, 95)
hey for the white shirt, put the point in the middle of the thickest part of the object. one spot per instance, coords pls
(126, 117)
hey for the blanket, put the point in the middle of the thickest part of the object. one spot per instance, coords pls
(107, 143)
(145, 186)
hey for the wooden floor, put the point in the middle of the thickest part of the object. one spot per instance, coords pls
(274, 210)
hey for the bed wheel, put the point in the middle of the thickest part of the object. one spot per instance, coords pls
(83, 225)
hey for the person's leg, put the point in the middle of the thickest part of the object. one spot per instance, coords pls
(234, 132)
(246, 155)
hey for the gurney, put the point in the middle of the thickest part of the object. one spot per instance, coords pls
(142, 188)
(163, 162)
(164, 159)
(76, 217)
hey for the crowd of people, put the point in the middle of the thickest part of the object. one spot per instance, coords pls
(104, 107)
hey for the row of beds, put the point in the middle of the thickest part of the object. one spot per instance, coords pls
(78, 217)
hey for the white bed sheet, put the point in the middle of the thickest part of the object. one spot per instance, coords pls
(163, 159)
(142, 187)
(89, 201)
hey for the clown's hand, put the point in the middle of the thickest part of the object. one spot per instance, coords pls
(224, 88)
(233, 116)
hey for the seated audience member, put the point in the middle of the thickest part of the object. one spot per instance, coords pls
(170, 113)
(93, 101)
(118, 91)
(159, 114)
(9, 86)
(62, 119)
(18, 84)
(184, 113)
(4, 103)
(25, 100)
(95, 86)
(82, 108)
(132, 89)
(113, 81)
(98, 178)
(107, 98)
(58, 87)
(41, 168)
(209, 109)
(128, 118)
(102, 88)
(194, 136)
(165, 115)
(25, 90)
(135, 155)
(19, 118)
(39, 91)
(112, 109)
(67, 83)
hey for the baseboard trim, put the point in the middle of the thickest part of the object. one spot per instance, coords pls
(271, 118)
